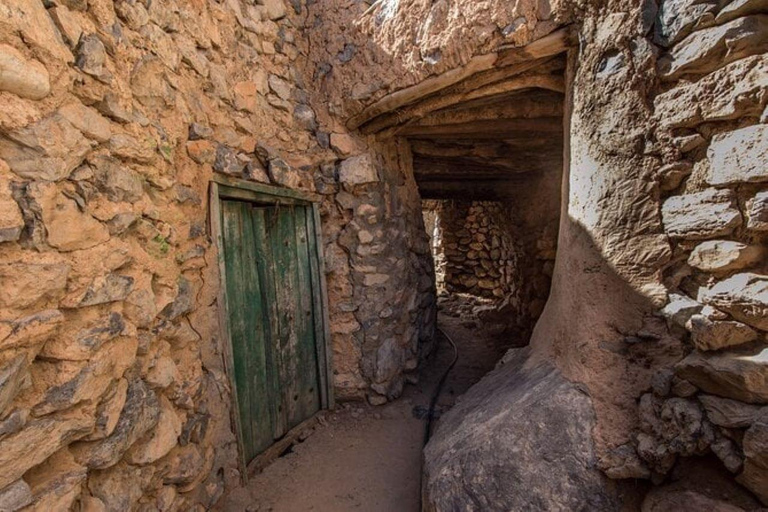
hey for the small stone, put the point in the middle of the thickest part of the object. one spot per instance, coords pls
(282, 174)
(720, 256)
(728, 413)
(14, 376)
(67, 23)
(91, 57)
(11, 220)
(744, 296)
(740, 377)
(358, 169)
(255, 171)
(127, 147)
(92, 381)
(199, 131)
(680, 309)
(32, 330)
(739, 156)
(201, 151)
(718, 334)
(140, 414)
(22, 77)
(344, 144)
(701, 215)
(677, 18)
(710, 48)
(757, 212)
(31, 21)
(280, 87)
(87, 120)
(108, 411)
(117, 488)
(246, 96)
(40, 439)
(117, 181)
(160, 440)
(57, 483)
(227, 162)
(49, 149)
(275, 9)
(305, 117)
(102, 290)
(672, 175)
(15, 496)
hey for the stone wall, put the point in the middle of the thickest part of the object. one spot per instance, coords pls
(714, 192)
(113, 393)
(482, 258)
(661, 254)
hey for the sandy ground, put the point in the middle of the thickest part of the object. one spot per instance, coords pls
(363, 458)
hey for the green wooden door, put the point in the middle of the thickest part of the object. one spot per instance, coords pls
(273, 306)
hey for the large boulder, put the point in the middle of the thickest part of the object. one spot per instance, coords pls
(520, 439)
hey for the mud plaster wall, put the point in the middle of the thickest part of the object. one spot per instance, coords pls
(115, 115)
(658, 302)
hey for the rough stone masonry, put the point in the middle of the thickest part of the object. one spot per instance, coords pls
(115, 115)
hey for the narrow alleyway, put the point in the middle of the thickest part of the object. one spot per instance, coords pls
(365, 458)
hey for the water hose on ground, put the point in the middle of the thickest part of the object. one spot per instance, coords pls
(438, 389)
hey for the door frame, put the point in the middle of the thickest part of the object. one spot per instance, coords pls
(224, 187)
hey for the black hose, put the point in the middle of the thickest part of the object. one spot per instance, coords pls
(436, 393)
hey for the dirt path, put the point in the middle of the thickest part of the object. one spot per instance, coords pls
(363, 458)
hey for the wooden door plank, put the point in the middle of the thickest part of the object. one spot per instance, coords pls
(325, 340)
(317, 307)
(232, 227)
(266, 269)
(283, 249)
(247, 325)
(217, 234)
(309, 385)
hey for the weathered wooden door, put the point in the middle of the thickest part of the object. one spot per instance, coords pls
(274, 317)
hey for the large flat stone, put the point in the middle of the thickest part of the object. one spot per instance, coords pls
(520, 439)
(740, 377)
(40, 439)
(724, 256)
(709, 49)
(22, 77)
(49, 149)
(677, 18)
(707, 214)
(744, 296)
(740, 156)
(733, 91)
(358, 169)
(728, 413)
(708, 334)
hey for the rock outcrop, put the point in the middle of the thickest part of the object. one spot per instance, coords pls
(520, 439)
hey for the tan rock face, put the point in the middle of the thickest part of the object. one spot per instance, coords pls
(718, 334)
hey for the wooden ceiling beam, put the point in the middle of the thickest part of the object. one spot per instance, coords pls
(552, 44)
